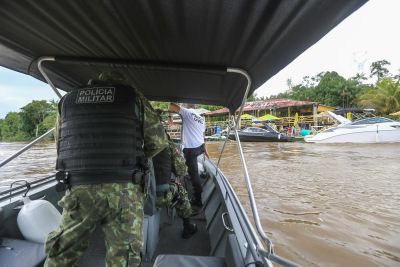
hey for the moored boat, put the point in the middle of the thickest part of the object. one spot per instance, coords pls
(364, 131)
(257, 134)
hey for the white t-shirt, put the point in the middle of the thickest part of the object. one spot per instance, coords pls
(193, 128)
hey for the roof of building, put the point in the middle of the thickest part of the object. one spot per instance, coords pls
(265, 104)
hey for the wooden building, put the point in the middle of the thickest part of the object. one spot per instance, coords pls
(286, 109)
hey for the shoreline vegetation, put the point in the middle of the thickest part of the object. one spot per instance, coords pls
(327, 88)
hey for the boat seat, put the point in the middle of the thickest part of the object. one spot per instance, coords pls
(21, 253)
(186, 260)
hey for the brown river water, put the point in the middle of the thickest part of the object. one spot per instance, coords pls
(322, 205)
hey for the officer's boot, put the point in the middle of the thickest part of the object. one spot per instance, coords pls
(189, 228)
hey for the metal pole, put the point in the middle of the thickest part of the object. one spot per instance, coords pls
(40, 61)
(19, 152)
(223, 147)
(245, 171)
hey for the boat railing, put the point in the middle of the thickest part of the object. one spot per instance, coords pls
(268, 253)
(24, 188)
(25, 148)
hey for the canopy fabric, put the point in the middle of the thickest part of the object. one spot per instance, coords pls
(165, 48)
(268, 117)
(246, 117)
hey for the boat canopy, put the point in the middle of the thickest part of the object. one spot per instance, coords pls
(170, 50)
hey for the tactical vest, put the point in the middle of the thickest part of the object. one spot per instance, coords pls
(162, 169)
(101, 131)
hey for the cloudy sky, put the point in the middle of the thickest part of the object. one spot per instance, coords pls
(368, 35)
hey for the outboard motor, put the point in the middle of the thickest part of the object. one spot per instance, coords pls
(37, 219)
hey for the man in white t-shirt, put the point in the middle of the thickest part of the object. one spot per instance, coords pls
(193, 143)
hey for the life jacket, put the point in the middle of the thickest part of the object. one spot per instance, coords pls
(101, 131)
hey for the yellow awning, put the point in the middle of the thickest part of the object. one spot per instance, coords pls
(268, 117)
(246, 117)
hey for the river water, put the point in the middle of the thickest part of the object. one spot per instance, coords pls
(322, 205)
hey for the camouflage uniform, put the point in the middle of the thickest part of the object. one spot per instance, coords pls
(117, 206)
(177, 197)
(173, 194)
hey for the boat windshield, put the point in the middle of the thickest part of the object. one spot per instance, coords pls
(255, 130)
(371, 121)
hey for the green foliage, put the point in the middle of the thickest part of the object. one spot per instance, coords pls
(159, 105)
(33, 115)
(328, 88)
(36, 117)
(1, 123)
(12, 128)
(164, 106)
(384, 97)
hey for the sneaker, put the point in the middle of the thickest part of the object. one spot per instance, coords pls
(189, 230)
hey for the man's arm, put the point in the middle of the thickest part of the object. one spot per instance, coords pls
(155, 138)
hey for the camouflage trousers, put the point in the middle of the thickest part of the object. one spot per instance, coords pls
(118, 207)
(177, 193)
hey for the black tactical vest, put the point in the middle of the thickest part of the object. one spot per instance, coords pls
(162, 169)
(100, 131)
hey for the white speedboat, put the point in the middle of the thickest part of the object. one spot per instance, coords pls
(369, 130)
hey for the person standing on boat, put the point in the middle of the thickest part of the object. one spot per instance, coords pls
(193, 142)
(106, 133)
(169, 191)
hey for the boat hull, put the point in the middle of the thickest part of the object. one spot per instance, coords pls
(270, 137)
(361, 137)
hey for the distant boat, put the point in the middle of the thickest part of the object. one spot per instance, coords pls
(369, 130)
(256, 134)
(215, 137)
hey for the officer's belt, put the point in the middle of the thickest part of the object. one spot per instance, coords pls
(135, 177)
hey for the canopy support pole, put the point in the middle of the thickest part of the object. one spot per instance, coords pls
(40, 61)
(253, 204)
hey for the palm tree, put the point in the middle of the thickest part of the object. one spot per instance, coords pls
(385, 98)
(379, 70)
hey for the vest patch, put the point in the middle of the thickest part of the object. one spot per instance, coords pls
(95, 95)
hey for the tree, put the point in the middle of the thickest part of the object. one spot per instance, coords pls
(33, 114)
(12, 128)
(384, 98)
(379, 70)
(1, 123)
(327, 88)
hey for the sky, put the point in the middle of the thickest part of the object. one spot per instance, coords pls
(369, 34)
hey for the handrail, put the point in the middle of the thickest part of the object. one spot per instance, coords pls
(19, 152)
(253, 204)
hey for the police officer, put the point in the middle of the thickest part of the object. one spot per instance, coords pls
(169, 192)
(106, 133)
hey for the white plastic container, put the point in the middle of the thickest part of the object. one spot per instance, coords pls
(37, 218)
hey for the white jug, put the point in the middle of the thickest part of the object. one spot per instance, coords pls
(37, 219)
